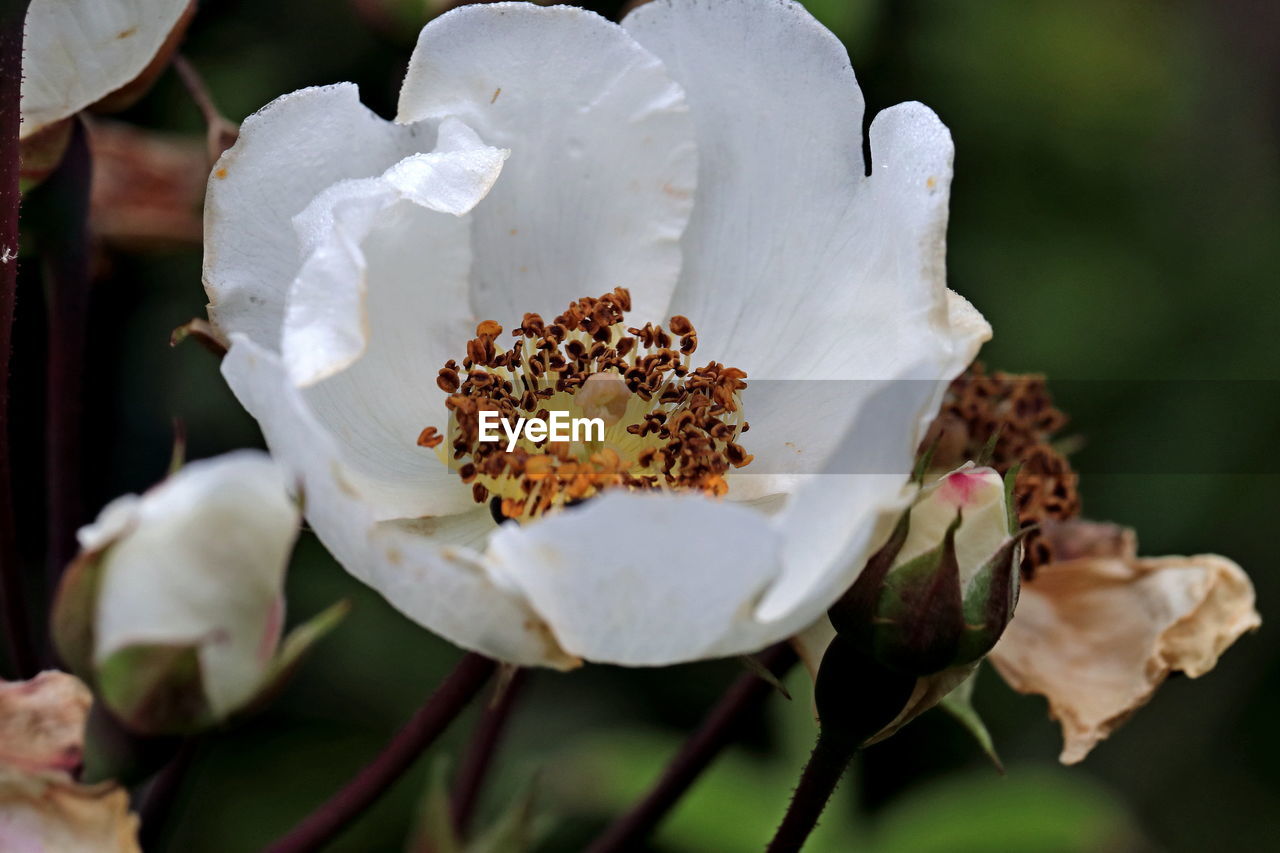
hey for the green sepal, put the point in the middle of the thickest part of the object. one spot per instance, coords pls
(959, 704)
(988, 451)
(1010, 499)
(924, 461)
(292, 651)
(919, 617)
(853, 612)
(156, 689)
(72, 618)
(762, 672)
(991, 600)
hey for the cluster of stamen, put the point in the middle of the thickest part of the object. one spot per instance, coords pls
(668, 425)
(1011, 416)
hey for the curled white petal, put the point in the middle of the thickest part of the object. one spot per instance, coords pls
(603, 167)
(326, 324)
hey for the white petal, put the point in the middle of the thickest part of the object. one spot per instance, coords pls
(796, 263)
(645, 580)
(326, 326)
(76, 52)
(601, 177)
(204, 563)
(409, 304)
(837, 518)
(445, 588)
(288, 152)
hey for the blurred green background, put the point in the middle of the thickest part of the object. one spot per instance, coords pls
(1115, 215)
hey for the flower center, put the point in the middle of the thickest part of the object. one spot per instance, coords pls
(660, 423)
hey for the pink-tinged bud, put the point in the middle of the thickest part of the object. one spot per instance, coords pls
(173, 609)
(940, 592)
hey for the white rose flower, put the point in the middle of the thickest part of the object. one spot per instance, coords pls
(174, 609)
(704, 156)
(78, 52)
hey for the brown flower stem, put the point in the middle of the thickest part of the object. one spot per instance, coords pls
(13, 13)
(63, 242)
(220, 132)
(441, 708)
(485, 741)
(717, 731)
(831, 757)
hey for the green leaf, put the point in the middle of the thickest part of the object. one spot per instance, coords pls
(959, 704)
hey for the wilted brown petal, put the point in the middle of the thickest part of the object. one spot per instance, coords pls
(1097, 635)
(41, 813)
(148, 187)
(42, 722)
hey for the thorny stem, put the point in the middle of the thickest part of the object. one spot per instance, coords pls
(480, 752)
(441, 708)
(717, 731)
(13, 13)
(64, 249)
(830, 758)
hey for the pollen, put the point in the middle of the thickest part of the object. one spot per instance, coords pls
(668, 426)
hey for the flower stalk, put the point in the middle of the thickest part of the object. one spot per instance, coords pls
(64, 248)
(441, 708)
(717, 731)
(483, 747)
(831, 757)
(17, 633)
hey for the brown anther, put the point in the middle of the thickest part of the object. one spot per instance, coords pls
(1019, 412)
(680, 325)
(448, 380)
(429, 437)
(687, 438)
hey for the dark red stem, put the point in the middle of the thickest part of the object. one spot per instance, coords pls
(64, 250)
(485, 741)
(13, 611)
(441, 708)
(717, 731)
(831, 757)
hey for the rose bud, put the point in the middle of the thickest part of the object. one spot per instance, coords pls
(940, 592)
(174, 608)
